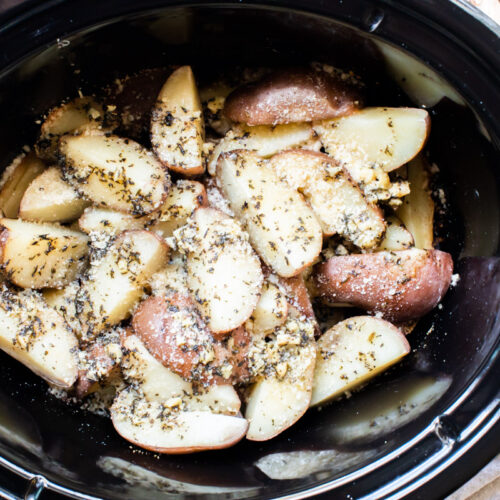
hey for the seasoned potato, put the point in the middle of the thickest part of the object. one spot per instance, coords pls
(183, 198)
(115, 283)
(177, 131)
(115, 173)
(15, 180)
(63, 300)
(417, 210)
(271, 310)
(352, 352)
(282, 227)
(224, 274)
(173, 331)
(290, 96)
(402, 285)
(264, 140)
(104, 220)
(37, 336)
(172, 278)
(50, 199)
(83, 114)
(337, 202)
(396, 237)
(37, 255)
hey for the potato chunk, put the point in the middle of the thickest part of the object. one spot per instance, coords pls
(37, 336)
(114, 284)
(271, 310)
(352, 352)
(104, 220)
(114, 172)
(50, 199)
(290, 96)
(177, 131)
(224, 274)
(396, 237)
(282, 227)
(402, 285)
(337, 202)
(37, 255)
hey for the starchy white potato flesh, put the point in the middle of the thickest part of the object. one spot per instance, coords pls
(172, 278)
(352, 352)
(338, 203)
(15, 180)
(63, 300)
(284, 367)
(37, 336)
(51, 199)
(224, 274)
(417, 210)
(158, 383)
(36, 255)
(115, 173)
(182, 199)
(263, 139)
(271, 310)
(177, 132)
(114, 284)
(388, 137)
(104, 220)
(173, 431)
(396, 237)
(282, 227)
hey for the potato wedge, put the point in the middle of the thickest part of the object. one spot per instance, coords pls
(104, 220)
(337, 202)
(401, 285)
(396, 237)
(82, 114)
(291, 96)
(114, 284)
(37, 336)
(271, 310)
(282, 228)
(417, 210)
(63, 300)
(264, 140)
(172, 278)
(182, 199)
(50, 199)
(283, 364)
(224, 274)
(115, 173)
(177, 129)
(35, 255)
(173, 431)
(174, 333)
(15, 180)
(159, 383)
(388, 137)
(352, 352)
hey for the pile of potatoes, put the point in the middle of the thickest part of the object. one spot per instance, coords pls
(179, 272)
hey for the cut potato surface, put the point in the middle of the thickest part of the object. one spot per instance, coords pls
(290, 96)
(352, 352)
(37, 336)
(50, 199)
(104, 220)
(396, 237)
(177, 131)
(388, 137)
(224, 274)
(37, 255)
(417, 210)
(402, 285)
(173, 431)
(271, 310)
(114, 173)
(15, 180)
(182, 199)
(282, 228)
(337, 202)
(63, 300)
(264, 140)
(115, 283)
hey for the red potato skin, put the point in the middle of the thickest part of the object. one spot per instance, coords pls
(290, 96)
(154, 323)
(401, 285)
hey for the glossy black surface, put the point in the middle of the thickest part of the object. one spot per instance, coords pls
(411, 422)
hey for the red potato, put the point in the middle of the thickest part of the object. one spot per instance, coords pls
(290, 96)
(402, 285)
(174, 333)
